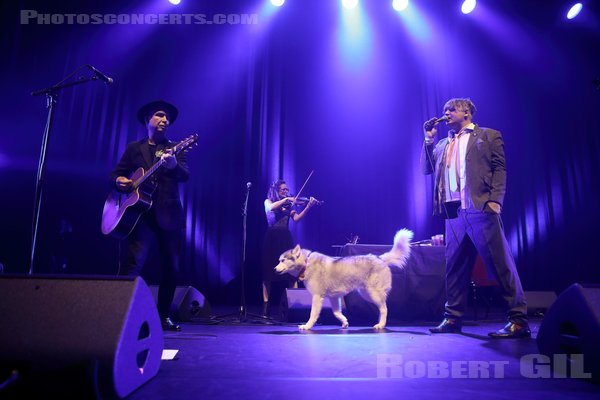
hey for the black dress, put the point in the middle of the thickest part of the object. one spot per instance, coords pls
(277, 240)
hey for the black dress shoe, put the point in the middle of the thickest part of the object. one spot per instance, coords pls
(512, 331)
(168, 325)
(448, 325)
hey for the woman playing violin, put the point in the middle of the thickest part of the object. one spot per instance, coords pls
(279, 208)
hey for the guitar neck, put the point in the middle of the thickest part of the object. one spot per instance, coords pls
(183, 145)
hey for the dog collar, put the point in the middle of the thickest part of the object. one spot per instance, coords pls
(301, 274)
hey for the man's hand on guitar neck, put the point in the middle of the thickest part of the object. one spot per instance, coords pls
(123, 183)
(169, 159)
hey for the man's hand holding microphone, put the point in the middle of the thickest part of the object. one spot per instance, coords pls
(429, 127)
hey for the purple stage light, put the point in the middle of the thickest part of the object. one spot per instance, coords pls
(349, 3)
(574, 10)
(400, 5)
(175, 2)
(468, 6)
(277, 3)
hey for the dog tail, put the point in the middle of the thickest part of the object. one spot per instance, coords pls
(400, 250)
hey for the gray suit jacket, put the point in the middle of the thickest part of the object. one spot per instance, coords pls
(484, 166)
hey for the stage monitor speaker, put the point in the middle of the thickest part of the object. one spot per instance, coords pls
(572, 326)
(82, 336)
(296, 304)
(188, 303)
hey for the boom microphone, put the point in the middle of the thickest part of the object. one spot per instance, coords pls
(106, 79)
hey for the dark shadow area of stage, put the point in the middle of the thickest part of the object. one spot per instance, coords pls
(246, 361)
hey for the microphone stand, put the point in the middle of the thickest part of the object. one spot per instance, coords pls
(244, 316)
(51, 99)
(243, 310)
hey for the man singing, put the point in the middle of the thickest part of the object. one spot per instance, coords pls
(470, 184)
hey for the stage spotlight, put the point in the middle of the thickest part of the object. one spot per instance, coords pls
(349, 3)
(277, 3)
(574, 10)
(400, 5)
(468, 6)
(175, 1)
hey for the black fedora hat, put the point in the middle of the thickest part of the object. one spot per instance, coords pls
(148, 109)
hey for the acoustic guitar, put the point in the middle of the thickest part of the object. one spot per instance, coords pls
(122, 210)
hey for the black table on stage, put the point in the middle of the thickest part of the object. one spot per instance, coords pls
(418, 291)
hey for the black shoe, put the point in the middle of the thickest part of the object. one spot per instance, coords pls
(512, 331)
(448, 325)
(168, 325)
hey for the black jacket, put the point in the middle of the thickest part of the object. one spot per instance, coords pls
(166, 202)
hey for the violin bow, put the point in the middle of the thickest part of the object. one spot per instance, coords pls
(305, 182)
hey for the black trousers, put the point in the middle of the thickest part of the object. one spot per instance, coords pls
(168, 243)
(472, 232)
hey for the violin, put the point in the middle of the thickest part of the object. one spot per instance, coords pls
(302, 201)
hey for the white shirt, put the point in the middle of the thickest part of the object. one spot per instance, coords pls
(456, 177)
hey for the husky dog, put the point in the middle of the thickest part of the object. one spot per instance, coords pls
(330, 277)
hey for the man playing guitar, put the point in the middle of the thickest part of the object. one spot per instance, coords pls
(164, 221)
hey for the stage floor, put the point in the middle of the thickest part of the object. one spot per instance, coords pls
(255, 361)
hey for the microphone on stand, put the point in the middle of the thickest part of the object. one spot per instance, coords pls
(248, 185)
(106, 79)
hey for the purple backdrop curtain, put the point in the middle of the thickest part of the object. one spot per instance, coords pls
(304, 89)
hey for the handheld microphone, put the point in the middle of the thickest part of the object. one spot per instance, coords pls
(428, 125)
(106, 79)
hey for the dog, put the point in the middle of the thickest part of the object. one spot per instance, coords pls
(333, 278)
